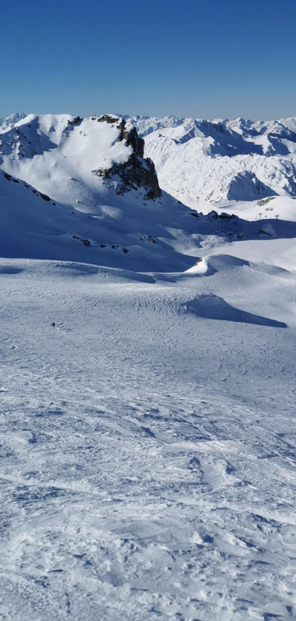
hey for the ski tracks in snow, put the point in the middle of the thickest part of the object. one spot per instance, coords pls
(136, 482)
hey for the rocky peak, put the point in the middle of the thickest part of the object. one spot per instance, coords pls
(130, 135)
(127, 132)
(137, 172)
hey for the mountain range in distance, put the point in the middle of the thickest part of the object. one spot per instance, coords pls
(142, 192)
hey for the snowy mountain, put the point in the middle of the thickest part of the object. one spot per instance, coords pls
(197, 161)
(202, 161)
(81, 189)
(147, 419)
(72, 157)
(10, 121)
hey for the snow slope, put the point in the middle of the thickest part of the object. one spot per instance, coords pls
(59, 156)
(34, 226)
(58, 188)
(199, 160)
(157, 235)
(148, 443)
(147, 420)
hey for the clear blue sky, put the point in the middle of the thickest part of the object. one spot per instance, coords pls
(203, 58)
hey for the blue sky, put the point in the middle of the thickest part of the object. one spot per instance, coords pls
(213, 58)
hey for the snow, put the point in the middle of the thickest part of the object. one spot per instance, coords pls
(199, 161)
(10, 121)
(59, 158)
(148, 428)
(148, 443)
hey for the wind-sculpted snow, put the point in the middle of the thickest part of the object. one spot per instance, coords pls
(213, 307)
(147, 444)
(199, 160)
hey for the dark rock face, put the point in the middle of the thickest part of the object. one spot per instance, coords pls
(136, 172)
(106, 118)
(76, 120)
(132, 139)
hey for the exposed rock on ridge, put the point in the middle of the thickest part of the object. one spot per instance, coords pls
(137, 172)
(129, 134)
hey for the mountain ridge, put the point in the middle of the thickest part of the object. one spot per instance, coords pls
(203, 161)
(82, 189)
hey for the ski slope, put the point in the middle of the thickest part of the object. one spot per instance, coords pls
(148, 442)
(148, 428)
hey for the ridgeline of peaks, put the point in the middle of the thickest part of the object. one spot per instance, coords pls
(81, 189)
(221, 160)
(195, 160)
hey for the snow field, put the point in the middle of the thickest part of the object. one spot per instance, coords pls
(148, 438)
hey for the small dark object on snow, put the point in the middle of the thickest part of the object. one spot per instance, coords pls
(86, 242)
(53, 324)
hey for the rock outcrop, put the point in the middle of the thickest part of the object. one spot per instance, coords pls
(137, 172)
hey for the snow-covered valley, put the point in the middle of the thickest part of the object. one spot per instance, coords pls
(148, 430)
